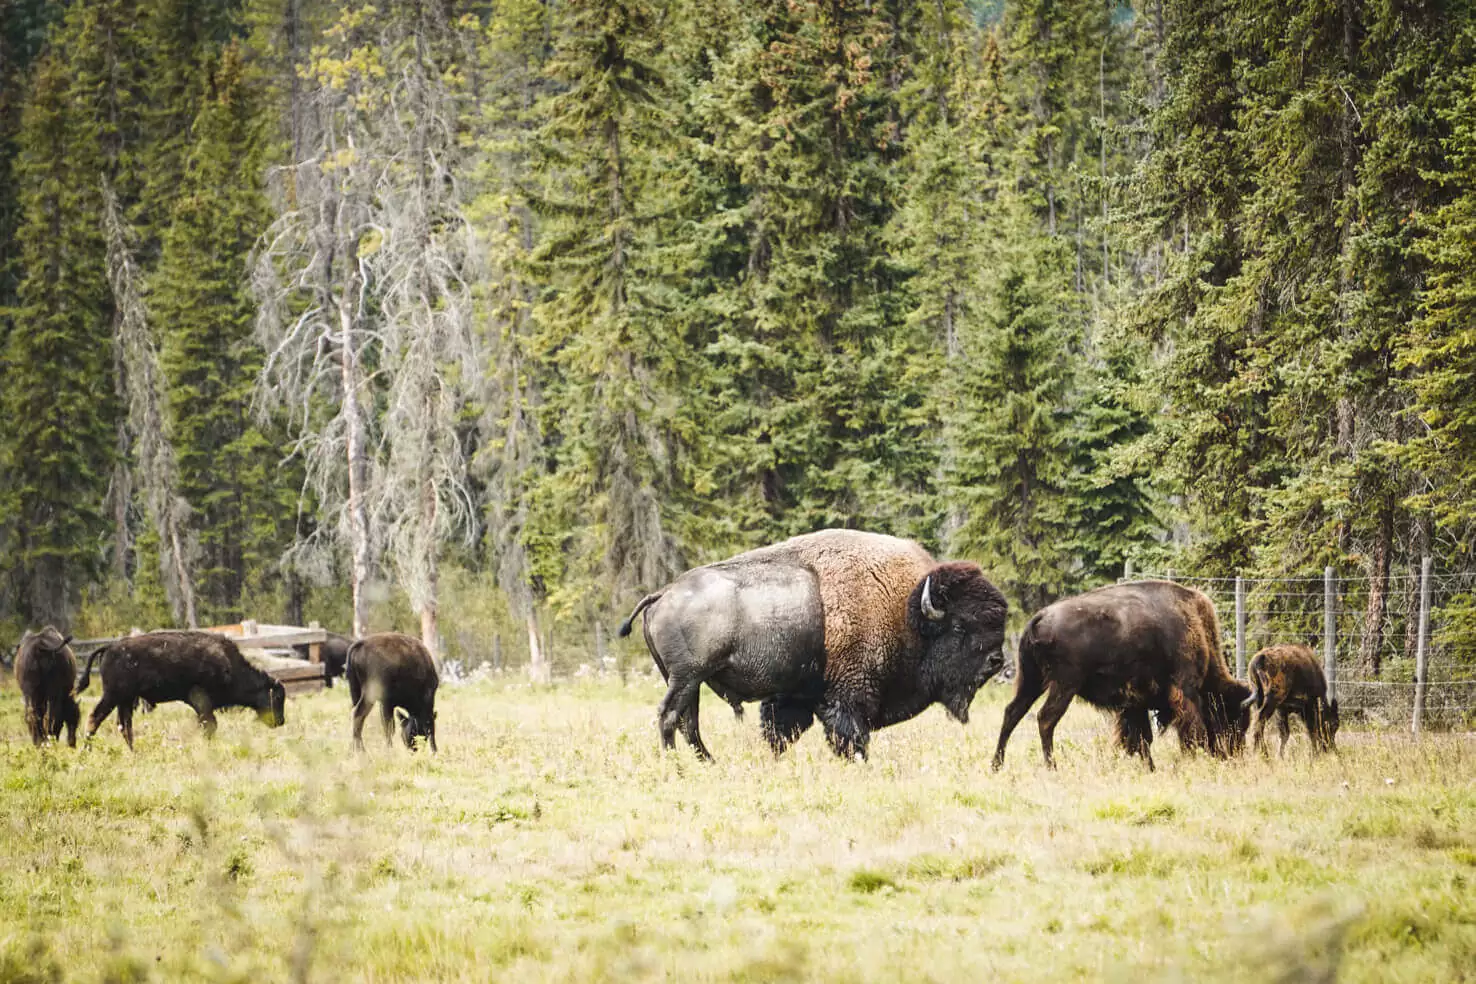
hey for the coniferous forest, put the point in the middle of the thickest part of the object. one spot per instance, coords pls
(490, 317)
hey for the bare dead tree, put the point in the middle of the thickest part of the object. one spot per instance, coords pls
(154, 461)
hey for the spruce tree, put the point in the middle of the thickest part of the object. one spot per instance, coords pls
(56, 391)
(210, 358)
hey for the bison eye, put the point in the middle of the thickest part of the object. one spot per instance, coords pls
(958, 628)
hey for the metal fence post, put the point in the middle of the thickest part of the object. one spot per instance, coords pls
(1422, 648)
(1239, 626)
(1329, 632)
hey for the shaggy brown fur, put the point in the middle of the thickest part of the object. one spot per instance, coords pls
(201, 669)
(829, 624)
(46, 672)
(397, 672)
(1149, 646)
(1288, 680)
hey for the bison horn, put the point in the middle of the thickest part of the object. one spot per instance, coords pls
(935, 614)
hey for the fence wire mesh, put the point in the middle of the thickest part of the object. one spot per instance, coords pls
(1375, 638)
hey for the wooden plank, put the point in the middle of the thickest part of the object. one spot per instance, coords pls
(295, 688)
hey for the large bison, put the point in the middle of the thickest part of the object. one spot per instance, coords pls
(859, 629)
(46, 672)
(1148, 646)
(395, 671)
(1289, 679)
(201, 669)
(332, 653)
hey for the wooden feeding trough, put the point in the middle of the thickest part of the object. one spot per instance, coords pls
(297, 677)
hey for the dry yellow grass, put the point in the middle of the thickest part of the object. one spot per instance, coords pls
(550, 840)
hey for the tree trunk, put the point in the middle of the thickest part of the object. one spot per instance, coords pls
(357, 457)
(1370, 659)
(537, 665)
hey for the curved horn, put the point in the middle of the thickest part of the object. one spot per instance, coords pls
(934, 614)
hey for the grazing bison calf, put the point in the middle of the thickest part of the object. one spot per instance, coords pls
(1288, 680)
(46, 672)
(858, 629)
(1149, 646)
(396, 672)
(203, 670)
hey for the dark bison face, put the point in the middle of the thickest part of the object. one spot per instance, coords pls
(1227, 718)
(960, 617)
(1330, 724)
(413, 727)
(270, 702)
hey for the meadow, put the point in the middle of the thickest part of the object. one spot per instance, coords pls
(551, 840)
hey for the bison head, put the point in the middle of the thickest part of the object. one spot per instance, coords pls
(960, 618)
(1227, 717)
(413, 727)
(270, 702)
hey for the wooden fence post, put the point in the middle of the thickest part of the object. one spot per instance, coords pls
(1239, 626)
(1422, 649)
(1127, 570)
(1330, 632)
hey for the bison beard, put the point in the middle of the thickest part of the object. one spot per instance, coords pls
(856, 629)
(1150, 646)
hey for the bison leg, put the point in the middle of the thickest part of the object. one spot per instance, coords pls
(35, 724)
(782, 721)
(1259, 741)
(1050, 715)
(362, 707)
(1028, 688)
(1316, 727)
(387, 718)
(681, 694)
(845, 730)
(1135, 733)
(1188, 718)
(125, 722)
(1283, 729)
(100, 713)
(204, 711)
(67, 716)
(691, 731)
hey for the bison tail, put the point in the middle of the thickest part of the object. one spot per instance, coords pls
(85, 680)
(1258, 694)
(641, 606)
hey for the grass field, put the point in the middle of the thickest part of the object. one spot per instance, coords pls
(550, 840)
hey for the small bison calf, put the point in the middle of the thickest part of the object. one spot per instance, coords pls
(46, 672)
(396, 672)
(1285, 680)
(201, 669)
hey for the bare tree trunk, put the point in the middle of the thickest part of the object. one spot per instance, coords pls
(430, 607)
(357, 456)
(1370, 659)
(538, 670)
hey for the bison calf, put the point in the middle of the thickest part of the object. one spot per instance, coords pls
(396, 672)
(1140, 648)
(46, 672)
(1288, 680)
(203, 670)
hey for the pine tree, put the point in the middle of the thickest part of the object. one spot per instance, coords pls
(205, 314)
(57, 386)
(597, 522)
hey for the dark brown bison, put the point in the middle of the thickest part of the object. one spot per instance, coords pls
(396, 672)
(859, 629)
(46, 672)
(1139, 648)
(201, 669)
(1288, 680)
(332, 653)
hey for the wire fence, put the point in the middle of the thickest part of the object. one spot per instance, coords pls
(1369, 635)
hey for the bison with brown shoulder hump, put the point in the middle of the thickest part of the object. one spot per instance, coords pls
(858, 629)
(1139, 648)
(46, 672)
(1288, 680)
(201, 669)
(396, 672)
